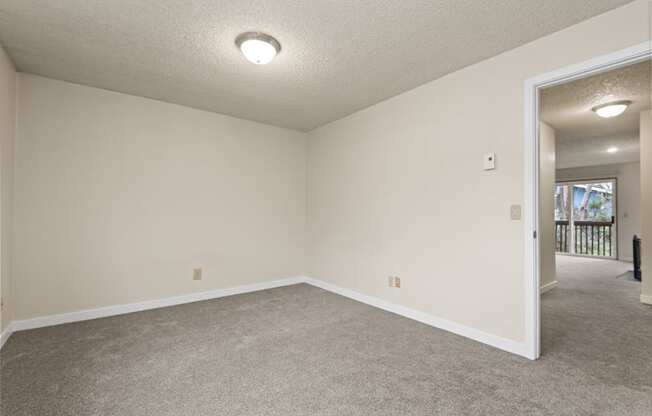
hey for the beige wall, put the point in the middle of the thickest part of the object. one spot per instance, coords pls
(548, 273)
(118, 198)
(7, 128)
(646, 205)
(628, 195)
(399, 189)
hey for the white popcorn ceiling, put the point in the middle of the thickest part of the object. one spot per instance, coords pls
(593, 151)
(567, 107)
(337, 56)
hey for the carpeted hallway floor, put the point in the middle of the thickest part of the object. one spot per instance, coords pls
(302, 351)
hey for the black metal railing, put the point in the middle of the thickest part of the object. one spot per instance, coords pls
(591, 238)
(562, 236)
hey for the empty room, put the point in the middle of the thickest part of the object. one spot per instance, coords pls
(325, 207)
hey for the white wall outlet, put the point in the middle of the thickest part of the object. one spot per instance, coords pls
(394, 281)
(196, 274)
(489, 161)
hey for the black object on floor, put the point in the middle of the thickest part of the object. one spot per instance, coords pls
(637, 258)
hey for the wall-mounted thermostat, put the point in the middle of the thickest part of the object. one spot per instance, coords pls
(489, 161)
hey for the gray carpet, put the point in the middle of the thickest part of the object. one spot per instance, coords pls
(628, 275)
(302, 351)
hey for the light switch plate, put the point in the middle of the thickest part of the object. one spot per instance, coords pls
(196, 274)
(489, 161)
(515, 212)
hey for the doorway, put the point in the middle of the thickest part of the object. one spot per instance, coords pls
(532, 187)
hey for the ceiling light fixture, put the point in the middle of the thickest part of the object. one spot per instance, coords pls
(259, 48)
(613, 109)
(612, 150)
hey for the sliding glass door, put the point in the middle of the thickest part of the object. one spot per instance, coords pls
(585, 218)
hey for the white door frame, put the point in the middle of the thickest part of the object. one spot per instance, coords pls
(603, 63)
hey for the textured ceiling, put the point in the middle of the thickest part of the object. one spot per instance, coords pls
(337, 57)
(593, 151)
(567, 107)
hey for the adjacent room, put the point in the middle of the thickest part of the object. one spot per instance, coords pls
(590, 140)
(325, 208)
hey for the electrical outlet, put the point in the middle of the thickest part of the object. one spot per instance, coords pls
(394, 281)
(196, 274)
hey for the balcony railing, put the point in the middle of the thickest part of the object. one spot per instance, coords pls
(562, 239)
(591, 238)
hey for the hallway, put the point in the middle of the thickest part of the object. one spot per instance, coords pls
(593, 321)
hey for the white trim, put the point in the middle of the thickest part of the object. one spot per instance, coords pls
(147, 305)
(530, 219)
(465, 331)
(459, 329)
(531, 268)
(548, 287)
(647, 299)
(4, 336)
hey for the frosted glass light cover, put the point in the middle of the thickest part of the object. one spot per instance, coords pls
(257, 51)
(611, 109)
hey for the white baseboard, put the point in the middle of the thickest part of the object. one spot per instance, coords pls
(548, 287)
(4, 335)
(87, 314)
(465, 331)
(647, 299)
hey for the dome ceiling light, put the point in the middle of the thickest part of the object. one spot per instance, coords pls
(259, 48)
(612, 109)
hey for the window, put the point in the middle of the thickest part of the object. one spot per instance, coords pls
(585, 218)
